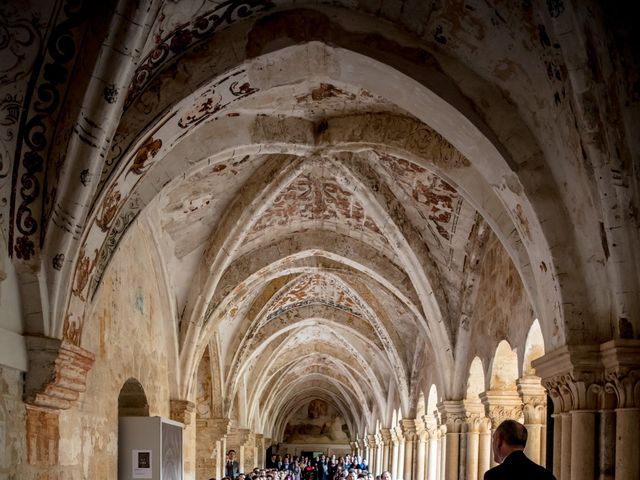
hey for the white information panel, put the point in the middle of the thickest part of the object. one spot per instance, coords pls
(141, 464)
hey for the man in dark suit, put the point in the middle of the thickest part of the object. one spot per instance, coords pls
(232, 468)
(509, 441)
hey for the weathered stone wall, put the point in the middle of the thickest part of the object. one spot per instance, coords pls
(127, 335)
(13, 443)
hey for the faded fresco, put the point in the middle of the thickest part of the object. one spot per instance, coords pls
(316, 422)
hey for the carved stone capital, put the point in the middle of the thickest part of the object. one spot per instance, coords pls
(475, 422)
(501, 405)
(181, 410)
(386, 435)
(453, 415)
(57, 372)
(534, 399)
(409, 430)
(621, 362)
(371, 440)
(573, 376)
(430, 423)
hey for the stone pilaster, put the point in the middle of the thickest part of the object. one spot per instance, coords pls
(242, 441)
(211, 434)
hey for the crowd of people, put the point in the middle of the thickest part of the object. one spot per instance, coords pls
(289, 467)
(508, 443)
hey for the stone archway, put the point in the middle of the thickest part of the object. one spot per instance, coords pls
(132, 400)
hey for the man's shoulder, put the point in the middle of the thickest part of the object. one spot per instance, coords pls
(521, 466)
(495, 473)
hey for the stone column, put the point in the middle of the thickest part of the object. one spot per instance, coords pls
(453, 416)
(266, 444)
(387, 456)
(557, 444)
(422, 450)
(211, 434)
(621, 362)
(409, 433)
(475, 414)
(565, 448)
(367, 449)
(379, 455)
(573, 377)
(484, 447)
(183, 411)
(432, 459)
(607, 436)
(431, 447)
(394, 456)
(372, 447)
(442, 448)
(260, 458)
(401, 448)
(462, 450)
(501, 405)
(534, 401)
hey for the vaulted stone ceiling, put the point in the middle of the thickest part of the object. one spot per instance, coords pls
(316, 236)
(345, 202)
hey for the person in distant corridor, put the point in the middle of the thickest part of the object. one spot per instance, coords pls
(232, 468)
(508, 443)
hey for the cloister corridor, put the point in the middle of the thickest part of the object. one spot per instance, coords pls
(366, 227)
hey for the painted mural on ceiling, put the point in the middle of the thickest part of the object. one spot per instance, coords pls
(316, 199)
(316, 422)
(316, 289)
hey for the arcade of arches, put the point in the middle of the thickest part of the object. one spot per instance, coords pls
(360, 226)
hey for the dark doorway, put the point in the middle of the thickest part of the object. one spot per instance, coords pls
(132, 401)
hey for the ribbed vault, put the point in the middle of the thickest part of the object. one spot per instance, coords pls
(320, 237)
